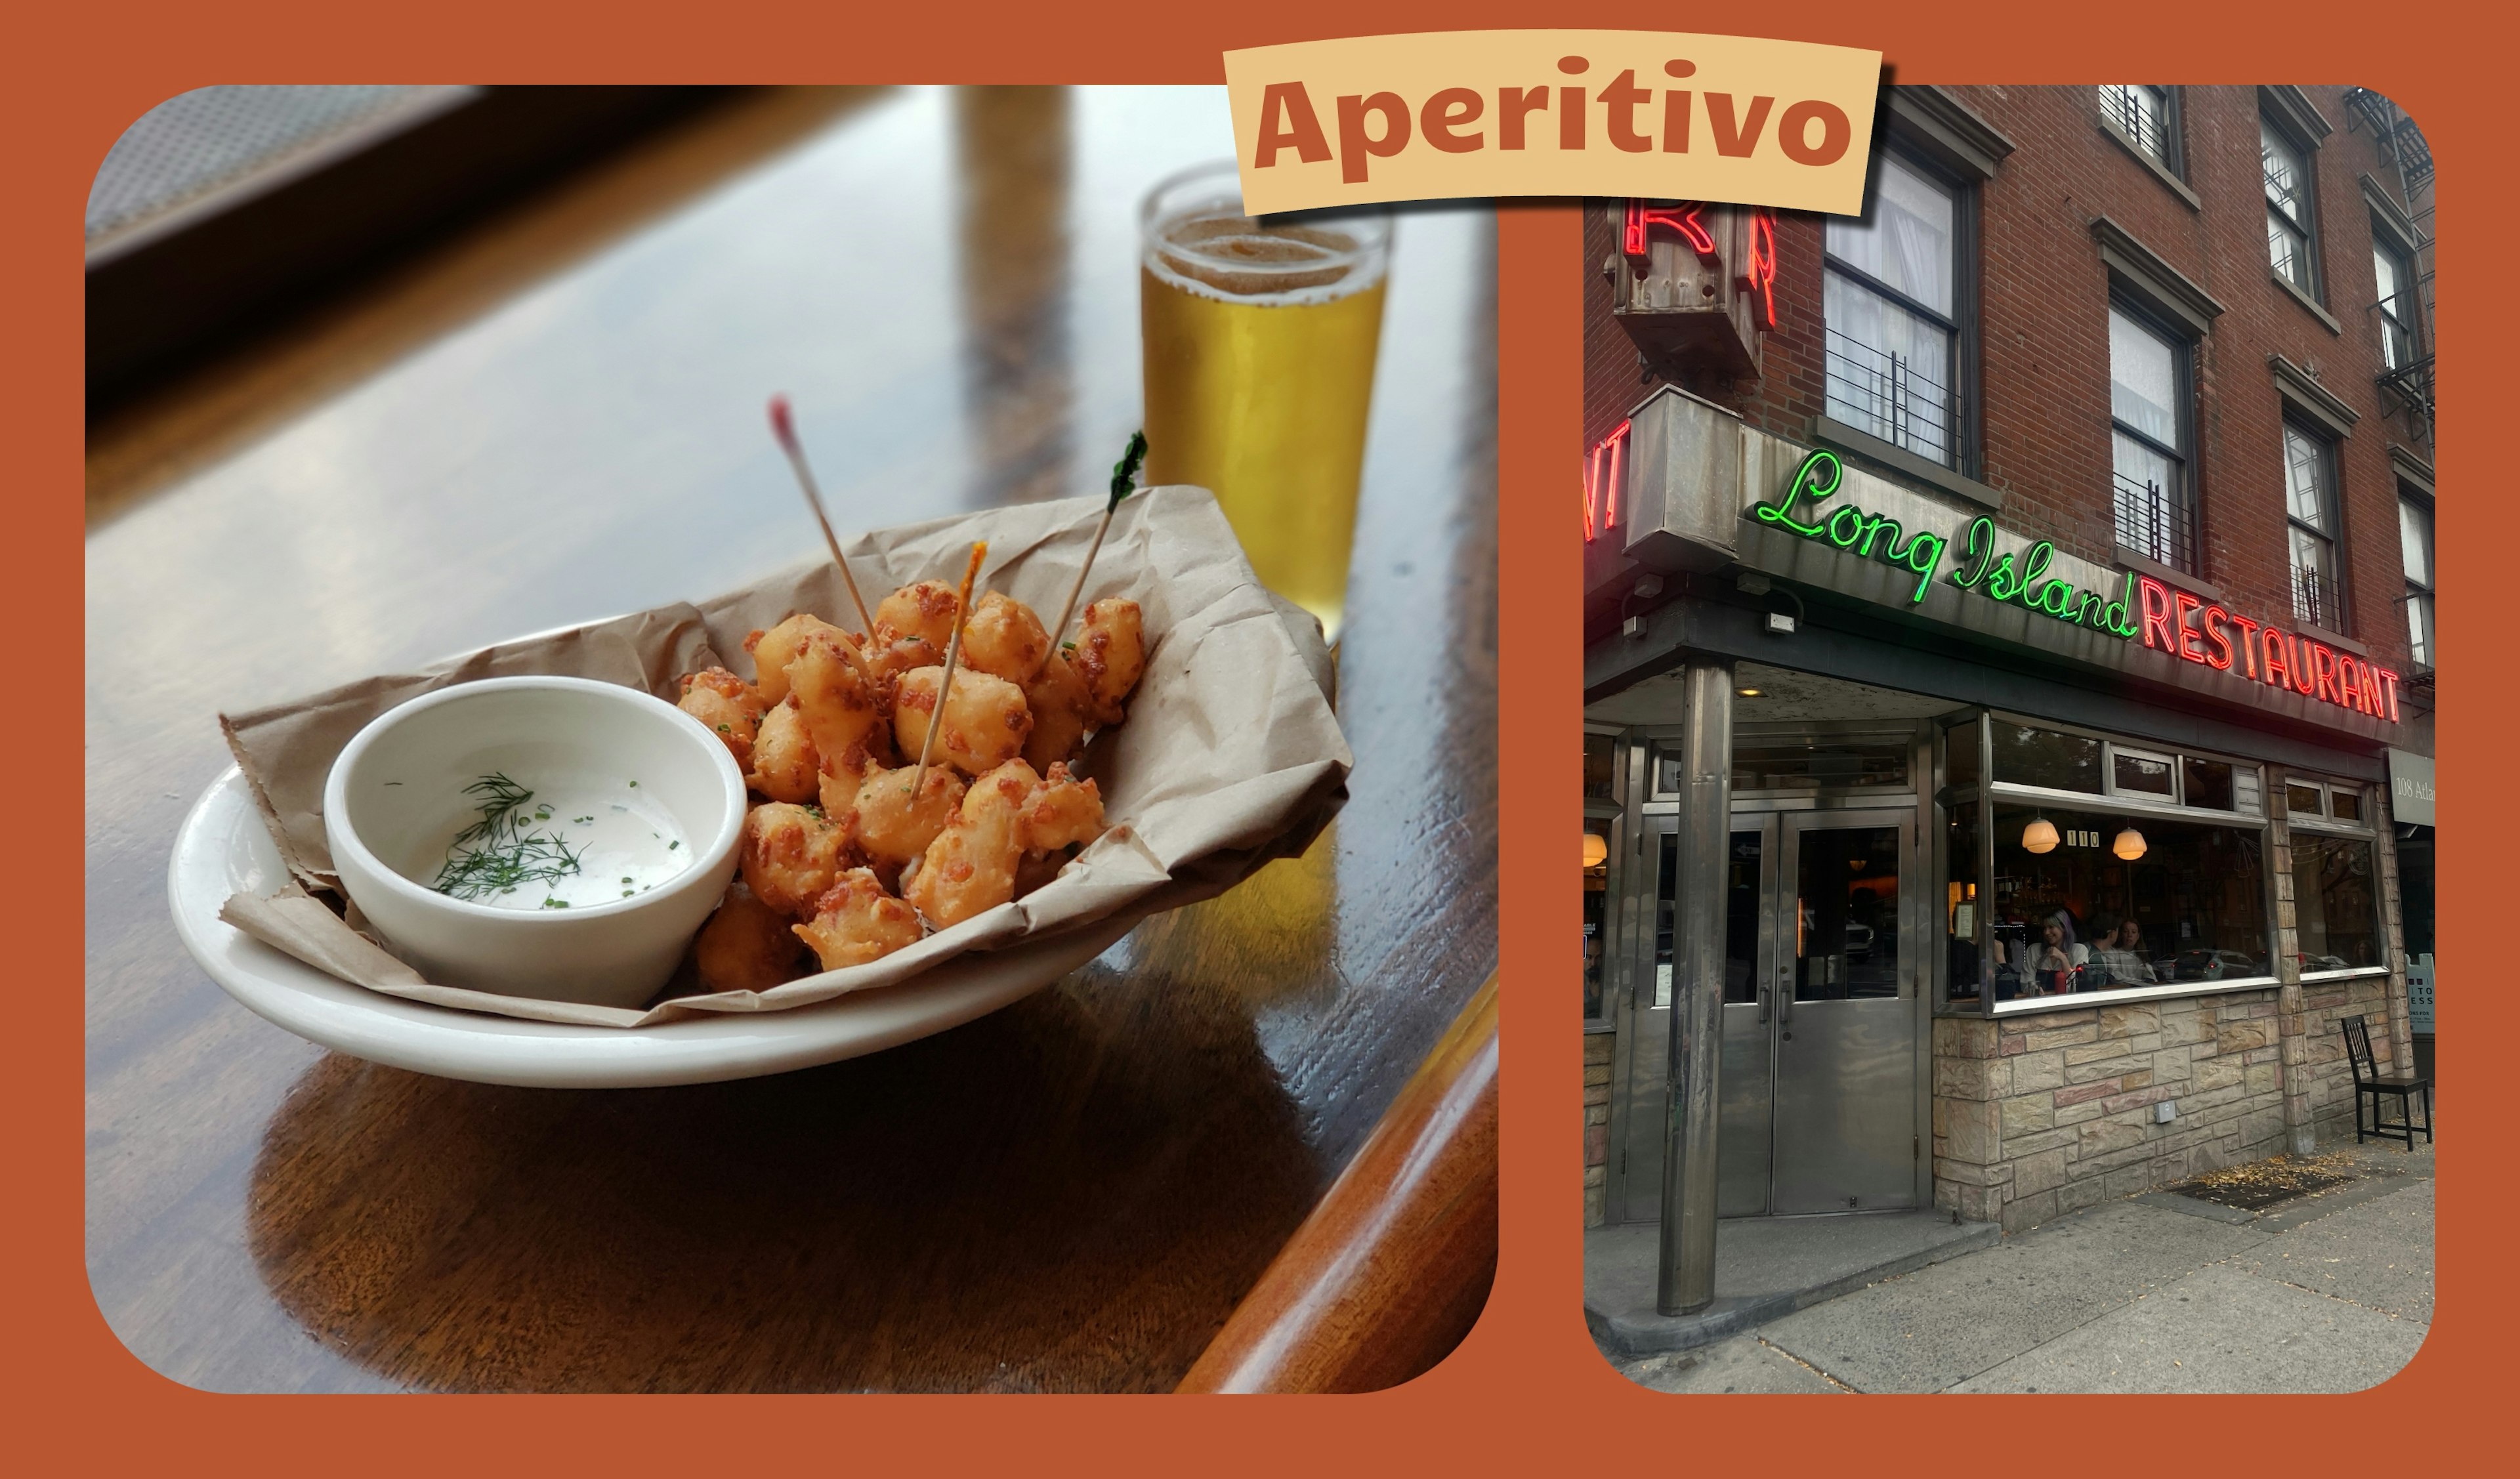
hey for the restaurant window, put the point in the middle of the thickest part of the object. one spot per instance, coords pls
(2416, 542)
(2290, 204)
(2312, 525)
(2057, 761)
(2086, 864)
(2395, 280)
(2148, 370)
(1597, 919)
(1960, 904)
(2089, 900)
(2146, 117)
(1601, 766)
(2336, 903)
(1891, 300)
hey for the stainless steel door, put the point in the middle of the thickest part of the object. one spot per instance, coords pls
(1845, 1135)
(1750, 971)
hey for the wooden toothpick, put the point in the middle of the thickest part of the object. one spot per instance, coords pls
(952, 656)
(1124, 482)
(785, 427)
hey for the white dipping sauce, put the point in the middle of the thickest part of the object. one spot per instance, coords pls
(576, 842)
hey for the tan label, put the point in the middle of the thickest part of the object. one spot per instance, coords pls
(1654, 114)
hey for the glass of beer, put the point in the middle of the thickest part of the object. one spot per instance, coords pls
(1260, 337)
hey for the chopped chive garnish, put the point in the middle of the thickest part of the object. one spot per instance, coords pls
(497, 853)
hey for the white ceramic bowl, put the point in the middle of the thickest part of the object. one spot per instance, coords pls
(396, 793)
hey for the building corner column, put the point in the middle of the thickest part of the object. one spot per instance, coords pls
(2300, 1135)
(1693, 1092)
(2401, 1022)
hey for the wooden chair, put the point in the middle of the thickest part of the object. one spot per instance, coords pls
(2367, 1082)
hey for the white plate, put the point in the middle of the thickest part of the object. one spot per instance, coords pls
(223, 849)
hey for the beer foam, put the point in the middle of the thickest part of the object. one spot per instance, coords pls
(1232, 257)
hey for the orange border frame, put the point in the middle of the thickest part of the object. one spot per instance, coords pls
(1527, 1389)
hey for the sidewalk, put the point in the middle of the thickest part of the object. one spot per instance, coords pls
(2325, 1291)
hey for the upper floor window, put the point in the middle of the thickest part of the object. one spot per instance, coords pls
(2415, 539)
(2310, 517)
(2147, 117)
(2290, 205)
(1891, 301)
(2396, 279)
(2148, 424)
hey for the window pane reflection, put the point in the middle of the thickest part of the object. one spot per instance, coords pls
(2028, 756)
(2334, 896)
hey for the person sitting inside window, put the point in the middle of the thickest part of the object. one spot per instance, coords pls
(2057, 957)
(2121, 952)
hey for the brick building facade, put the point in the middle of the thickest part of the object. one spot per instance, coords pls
(2274, 241)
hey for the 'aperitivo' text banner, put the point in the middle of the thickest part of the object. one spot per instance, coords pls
(1654, 114)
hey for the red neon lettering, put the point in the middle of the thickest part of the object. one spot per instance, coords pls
(2191, 646)
(2278, 659)
(1682, 220)
(2322, 672)
(2218, 655)
(2349, 689)
(2389, 691)
(1760, 280)
(2248, 640)
(1602, 467)
(2156, 612)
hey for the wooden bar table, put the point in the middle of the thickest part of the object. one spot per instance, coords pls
(1070, 1194)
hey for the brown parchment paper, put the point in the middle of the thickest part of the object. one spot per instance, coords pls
(1231, 755)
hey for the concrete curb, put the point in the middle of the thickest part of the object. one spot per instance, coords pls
(1627, 1336)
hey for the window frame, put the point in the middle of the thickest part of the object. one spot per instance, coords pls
(2183, 348)
(2410, 325)
(2330, 467)
(1614, 819)
(2419, 592)
(2251, 811)
(2364, 831)
(2172, 157)
(1961, 325)
(2305, 156)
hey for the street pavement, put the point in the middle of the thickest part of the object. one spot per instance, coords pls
(2330, 1292)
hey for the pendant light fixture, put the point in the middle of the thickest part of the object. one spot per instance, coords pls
(2130, 844)
(1597, 848)
(2040, 837)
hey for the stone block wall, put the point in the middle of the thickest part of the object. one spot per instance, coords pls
(2039, 1115)
(2327, 1083)
(1596, 1127)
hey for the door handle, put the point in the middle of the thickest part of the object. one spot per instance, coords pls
(1785, 1002)
(1763, 1003)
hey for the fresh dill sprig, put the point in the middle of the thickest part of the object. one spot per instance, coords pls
(498, 853)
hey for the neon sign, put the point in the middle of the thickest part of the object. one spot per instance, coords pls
(1636, 236)
(1687, 221)
(1602, 467)
(2264, 653)
(2185, 625)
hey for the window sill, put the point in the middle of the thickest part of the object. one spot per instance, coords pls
(2334, 639)
(2079, 1001)
(2160, 171)
(2309, 976)
(1895, 459)
(1599, 1029)
(2145, 565)
(2305, 299)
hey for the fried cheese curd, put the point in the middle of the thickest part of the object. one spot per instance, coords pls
(791, 855)
(1111, 655)
(1008, 817)
(728, 705)
(984, 726)
(785, 766)
(856, 922)
(924, 612)
(1004, 639)
(889, 825)
(772, 651)
(747, 945)
(837, 695)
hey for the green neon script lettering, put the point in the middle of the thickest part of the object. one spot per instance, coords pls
(1817, 477)
(1931, 545)
(1981, 554)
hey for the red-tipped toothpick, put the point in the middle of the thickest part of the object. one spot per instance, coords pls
(784, 428)
(952, 656)
(1124, 482)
